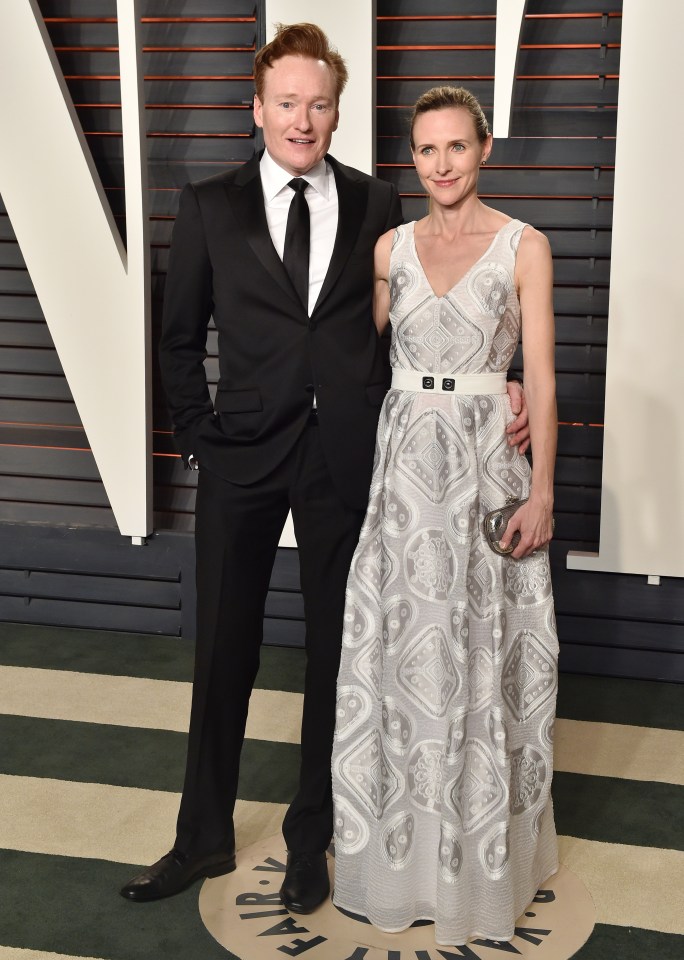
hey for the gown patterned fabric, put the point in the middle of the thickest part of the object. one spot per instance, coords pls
(443, 753)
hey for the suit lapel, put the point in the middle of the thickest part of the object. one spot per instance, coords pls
(352, 198)
(246, 198)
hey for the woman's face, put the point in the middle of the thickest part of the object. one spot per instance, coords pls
(448, 154)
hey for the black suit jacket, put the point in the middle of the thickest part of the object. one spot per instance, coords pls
(272, 356)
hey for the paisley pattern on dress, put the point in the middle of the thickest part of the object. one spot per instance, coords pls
(443, 752)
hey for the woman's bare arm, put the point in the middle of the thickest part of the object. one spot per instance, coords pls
(381, 292)
(534, 276)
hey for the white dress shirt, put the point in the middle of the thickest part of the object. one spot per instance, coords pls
(321, 197)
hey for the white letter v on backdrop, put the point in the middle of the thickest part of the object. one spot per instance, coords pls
(94, 293)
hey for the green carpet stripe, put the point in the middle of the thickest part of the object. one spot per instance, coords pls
(630, 943)
(595, 808)
(642, 703)
(602, 699)
(131, 655)
(129, 757)
(639, 813)
(71, 906)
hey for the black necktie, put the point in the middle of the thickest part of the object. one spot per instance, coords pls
(296, 252)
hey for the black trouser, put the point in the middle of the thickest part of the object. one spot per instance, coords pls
(236, 535)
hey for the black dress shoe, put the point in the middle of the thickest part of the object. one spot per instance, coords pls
(175, 872)
(306, 883)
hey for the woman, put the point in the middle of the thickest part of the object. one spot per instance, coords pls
(443, 756)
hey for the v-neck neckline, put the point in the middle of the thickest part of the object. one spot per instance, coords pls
(468, 271)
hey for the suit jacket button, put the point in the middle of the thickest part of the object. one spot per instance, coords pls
(312, 325)
(309, 388)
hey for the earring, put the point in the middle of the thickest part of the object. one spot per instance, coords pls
(482, 163)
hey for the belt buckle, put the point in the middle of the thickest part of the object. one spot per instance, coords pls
(428, 383)
(448, 384)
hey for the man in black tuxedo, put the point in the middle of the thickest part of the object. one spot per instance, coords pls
(302, 379)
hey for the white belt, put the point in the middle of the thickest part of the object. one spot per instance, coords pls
(471, 384)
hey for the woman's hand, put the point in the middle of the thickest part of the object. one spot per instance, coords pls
(534, 520)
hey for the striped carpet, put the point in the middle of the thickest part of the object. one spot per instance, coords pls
(92, 748)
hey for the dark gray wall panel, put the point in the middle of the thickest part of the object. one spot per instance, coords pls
(624, 662)
(39, 411)
(33, 585)
(480, 8)
(556, 172)
(67, 613)
(24, 333)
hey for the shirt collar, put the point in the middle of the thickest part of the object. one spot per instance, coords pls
(274, 178)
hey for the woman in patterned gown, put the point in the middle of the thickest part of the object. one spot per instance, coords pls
(442, 760)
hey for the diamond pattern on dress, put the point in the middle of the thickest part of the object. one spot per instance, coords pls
(480, 677)
(505, 342)
(427, 672)
(439, 337)
(507, 470)
(368, 773)
(483, 791)
(432, 455)
(529, 675)
(480, 581)
(368, 666)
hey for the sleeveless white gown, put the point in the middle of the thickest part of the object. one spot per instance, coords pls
(442, 760)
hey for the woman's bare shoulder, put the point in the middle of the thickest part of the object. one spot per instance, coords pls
(533, 242)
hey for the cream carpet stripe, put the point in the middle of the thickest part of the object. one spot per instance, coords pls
(99, 821)
(134, 702)
(631, 886)
(18, 953)
(618, 750)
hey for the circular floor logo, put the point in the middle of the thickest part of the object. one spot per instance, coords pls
(243, 911)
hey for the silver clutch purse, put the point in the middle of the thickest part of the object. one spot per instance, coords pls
(495, 523)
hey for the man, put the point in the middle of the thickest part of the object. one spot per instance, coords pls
(302, 379)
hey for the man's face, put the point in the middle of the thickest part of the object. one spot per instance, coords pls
(298, 114)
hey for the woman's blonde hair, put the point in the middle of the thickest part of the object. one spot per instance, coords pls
(439, 98)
